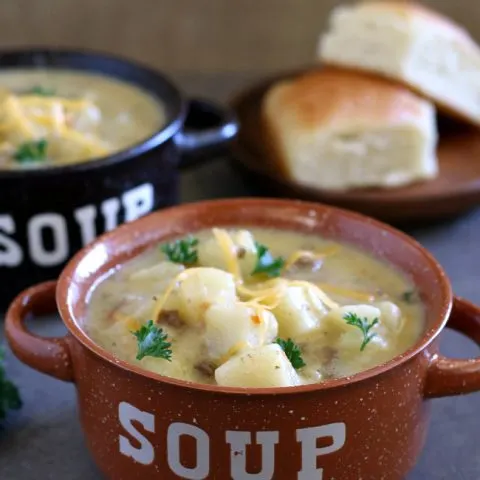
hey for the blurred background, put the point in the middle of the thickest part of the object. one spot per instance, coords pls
(185, 37)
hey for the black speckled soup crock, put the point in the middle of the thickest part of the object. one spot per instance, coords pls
(47, 214)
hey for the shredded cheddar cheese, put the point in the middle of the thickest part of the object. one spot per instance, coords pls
(17, 119)
(27, 118)
(317, 290)
(94, 145)
(261, 299)
(263, 295)
(229, 251)
(72, 104)
(274, 293)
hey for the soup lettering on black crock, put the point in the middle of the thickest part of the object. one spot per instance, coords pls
(57, 117)
(255, 308)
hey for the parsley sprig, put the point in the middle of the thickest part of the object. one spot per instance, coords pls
(152, 342)
(363, 325)
(267, 263)
(182, 251)
(34, 151)
(292, 351)
(9, 396)
(42, 91)
(410, 296)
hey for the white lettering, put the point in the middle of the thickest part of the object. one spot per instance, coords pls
(110, 209)
(201, 470)
(138, 201)
(145, 454)
(58, 226)
(11, 254)
(85, 218)
(308, 438)
(238, 454)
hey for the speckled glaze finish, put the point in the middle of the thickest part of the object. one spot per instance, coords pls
(139, 425)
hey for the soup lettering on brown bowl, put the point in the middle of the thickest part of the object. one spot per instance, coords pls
(87, 142)
(201, 330)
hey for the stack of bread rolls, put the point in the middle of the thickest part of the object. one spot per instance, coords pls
(367, 118)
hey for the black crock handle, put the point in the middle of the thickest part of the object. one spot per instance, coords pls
(207, 130)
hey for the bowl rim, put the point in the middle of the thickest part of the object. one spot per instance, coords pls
(157, 138)
(72, 324)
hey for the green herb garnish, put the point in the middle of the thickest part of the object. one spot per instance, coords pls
(410, 296)
(9, 396)
(42, 91)
(152, 342)
(364, 325)
(182, 251)
(267, 263)
(35, 151)
(292, 351)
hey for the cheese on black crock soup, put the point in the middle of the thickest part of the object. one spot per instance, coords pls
(54, 117)
(255, 308)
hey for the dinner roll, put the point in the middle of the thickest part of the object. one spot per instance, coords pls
(335, 129)
(411, 44)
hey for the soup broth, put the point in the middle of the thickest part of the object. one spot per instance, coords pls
(255, 308)
(54, 117)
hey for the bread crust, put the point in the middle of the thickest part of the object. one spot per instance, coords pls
(421, 19)
(414, 11)
(333, 98)
(331, 101)
(442, 108)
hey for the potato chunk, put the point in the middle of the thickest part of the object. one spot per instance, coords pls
(201, 288)
(391, 316)
(174, 369)
(336, 316)
(230, 328)
(148, 282)
(351, 338)
(265, 366)
(210, 254)
(298, 312)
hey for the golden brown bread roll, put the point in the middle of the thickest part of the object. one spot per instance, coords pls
(335, 129)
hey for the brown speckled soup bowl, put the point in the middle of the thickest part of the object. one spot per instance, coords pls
(140, 425)
(48, 214)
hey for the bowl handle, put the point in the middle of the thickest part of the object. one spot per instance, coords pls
(47, 355)
(448, 376)
(207, 130)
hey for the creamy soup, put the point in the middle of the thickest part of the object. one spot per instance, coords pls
(56, 117)
(255, 308)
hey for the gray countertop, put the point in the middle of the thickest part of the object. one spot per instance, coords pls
(44, 440)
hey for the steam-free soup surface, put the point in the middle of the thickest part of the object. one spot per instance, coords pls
(255, 308)
(55, 117)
